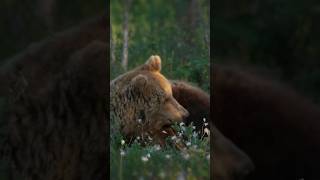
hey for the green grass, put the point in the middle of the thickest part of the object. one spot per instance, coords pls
(168, 163)
(185, 56)
(153, 162)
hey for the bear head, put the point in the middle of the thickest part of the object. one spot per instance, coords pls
(142, 101)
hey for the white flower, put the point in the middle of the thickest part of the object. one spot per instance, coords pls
(182, 124)
(149, 138)
(148, 155)
(174, 137)
(168, 156)
(122, 142)
(208, 157)
(144, 158)
(207, 131)
(165, 132)
(193, 127)
(206, 124)
(194, 134)
(157, 147)
(139, 121)
(138, 137)
(122, 153)
(188, 143)
(204, 119)
(186, 156)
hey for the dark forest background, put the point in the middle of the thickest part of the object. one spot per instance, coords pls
(177, 30)
(24, 22)
(278, 38)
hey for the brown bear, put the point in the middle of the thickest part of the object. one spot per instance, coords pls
(141, 102)
(55, 121)
(56, 118)
(275, 126)
(144, 94)
(196, 101)
(228, 161)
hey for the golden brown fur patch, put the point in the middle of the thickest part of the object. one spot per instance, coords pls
(142, 101)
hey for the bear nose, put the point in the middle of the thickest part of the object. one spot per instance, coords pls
(185, 113)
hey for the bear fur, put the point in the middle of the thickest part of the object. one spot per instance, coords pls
(277, 127)
(141, 102)
(229, 161)
(55, 118)
(196, 101)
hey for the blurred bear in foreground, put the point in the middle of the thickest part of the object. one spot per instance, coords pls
(228, 162)
(55, 117)
(55, 122)
(275, 126)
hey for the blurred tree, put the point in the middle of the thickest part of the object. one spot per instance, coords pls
(165, 28)
(124, 62)
(112, 48)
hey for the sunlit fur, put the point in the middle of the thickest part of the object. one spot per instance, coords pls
(144, 93)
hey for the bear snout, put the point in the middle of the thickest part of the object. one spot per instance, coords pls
(183, 111)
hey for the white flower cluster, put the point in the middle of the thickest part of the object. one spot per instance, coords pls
(122, 152)
(146, 157)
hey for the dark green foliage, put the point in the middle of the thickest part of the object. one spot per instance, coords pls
(281, 35)
(167, 29)
(164, 28)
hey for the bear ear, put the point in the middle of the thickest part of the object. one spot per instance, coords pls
(140, 80)
(154, 63)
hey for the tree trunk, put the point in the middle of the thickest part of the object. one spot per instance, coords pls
(124, 61)
(112, 47)
(205, 25)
